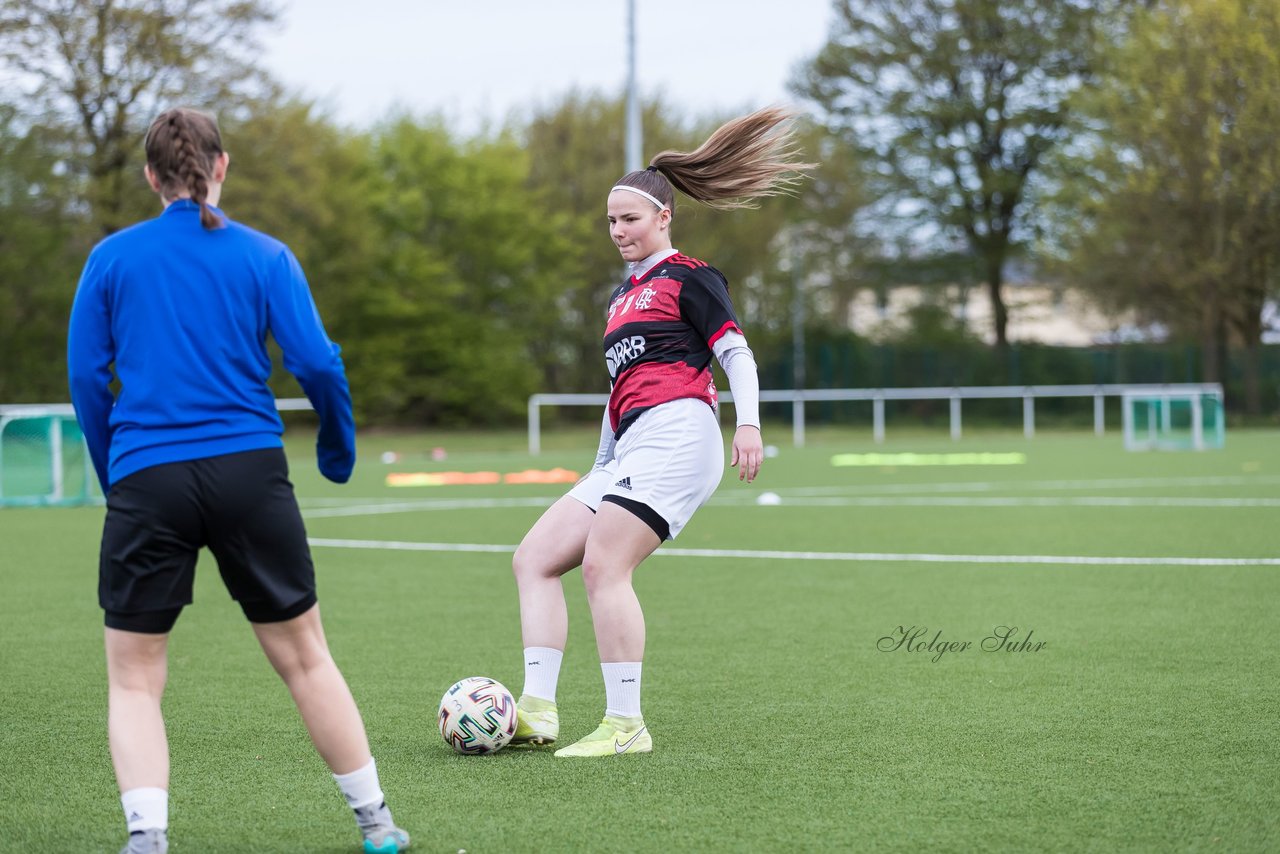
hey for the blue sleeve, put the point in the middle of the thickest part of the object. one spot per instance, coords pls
(90, 352)
(315, 361)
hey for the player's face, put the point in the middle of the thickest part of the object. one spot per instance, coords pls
(637, 228)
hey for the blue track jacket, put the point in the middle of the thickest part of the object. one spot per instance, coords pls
(183, 315)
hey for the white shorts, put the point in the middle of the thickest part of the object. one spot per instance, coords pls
(668, 463)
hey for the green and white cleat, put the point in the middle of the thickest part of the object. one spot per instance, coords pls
(614, 737)
(537, 721)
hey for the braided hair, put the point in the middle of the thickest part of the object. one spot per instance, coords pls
(745, 159)
(182, 146)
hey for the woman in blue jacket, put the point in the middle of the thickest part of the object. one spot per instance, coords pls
(189, 455)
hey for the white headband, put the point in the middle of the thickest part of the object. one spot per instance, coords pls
(640, 192)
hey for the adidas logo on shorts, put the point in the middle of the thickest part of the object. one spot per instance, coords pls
(625, 483)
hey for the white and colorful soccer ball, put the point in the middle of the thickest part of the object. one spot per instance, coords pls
(477, 715)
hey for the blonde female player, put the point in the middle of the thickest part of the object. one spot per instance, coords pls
(661, 454)
(189, 455)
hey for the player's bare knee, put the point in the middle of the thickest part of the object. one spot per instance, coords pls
(600, 574)
(527, 564)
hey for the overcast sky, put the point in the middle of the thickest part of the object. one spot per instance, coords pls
(475, 61)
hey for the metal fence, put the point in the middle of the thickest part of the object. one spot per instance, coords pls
(799, 398)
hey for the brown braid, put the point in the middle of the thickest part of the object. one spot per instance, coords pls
(745, 159)
(182, 147)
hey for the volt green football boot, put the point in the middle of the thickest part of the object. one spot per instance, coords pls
(614, 737)
(537, 721)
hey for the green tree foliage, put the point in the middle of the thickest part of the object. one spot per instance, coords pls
(450, 322)
(101, 69)
(297, 176)
(830, 241)
(575, 149)
(42, 245)
(956, 102)
(1173, 205)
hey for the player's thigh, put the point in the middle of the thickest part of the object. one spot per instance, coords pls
(150, 540)
(619, 540)
(295, 644)
(669, 464)
(556, 542)
(256, 532)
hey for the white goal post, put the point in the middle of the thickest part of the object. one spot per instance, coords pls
(954, 395)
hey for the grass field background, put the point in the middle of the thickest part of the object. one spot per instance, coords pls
(781, 720)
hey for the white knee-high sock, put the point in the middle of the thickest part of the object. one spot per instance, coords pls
(622, 688)
(542, 671)
(360, 787)
(146, 809)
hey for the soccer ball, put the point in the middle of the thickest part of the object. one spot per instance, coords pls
(477, 715)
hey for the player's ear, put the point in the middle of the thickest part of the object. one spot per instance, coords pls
(152, 181)
(220, 165)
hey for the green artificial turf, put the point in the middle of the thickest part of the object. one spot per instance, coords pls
(785, 715)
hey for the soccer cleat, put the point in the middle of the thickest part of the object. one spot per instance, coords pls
(151, 841)
(385, 840)
(614, 737)
(381, 836)
(537, 721)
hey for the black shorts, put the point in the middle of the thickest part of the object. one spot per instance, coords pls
(241, 506)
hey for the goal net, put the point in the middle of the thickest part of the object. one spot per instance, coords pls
(43, 459)
(1173, 420)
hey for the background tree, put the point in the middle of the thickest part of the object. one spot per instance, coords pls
(297, 176)
(102, 69)
(42, 247)
(448, 325)
(1172, 204)
(956, 102)
(831, 237)
(575, 150)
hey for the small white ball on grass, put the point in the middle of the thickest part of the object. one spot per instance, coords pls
(770, 451)
(768, 499)
(389, 457)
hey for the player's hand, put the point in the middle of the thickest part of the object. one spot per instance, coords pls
(748, 452)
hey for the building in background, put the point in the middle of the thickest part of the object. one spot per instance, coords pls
(1042, 314)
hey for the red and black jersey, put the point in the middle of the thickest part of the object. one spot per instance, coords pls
(658, 339)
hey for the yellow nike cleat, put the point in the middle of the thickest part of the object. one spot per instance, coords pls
(614, 737)
(537, 721)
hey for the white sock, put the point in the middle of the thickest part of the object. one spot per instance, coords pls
(621, 688)
(146, 809)
(542, 671)
(360, 787)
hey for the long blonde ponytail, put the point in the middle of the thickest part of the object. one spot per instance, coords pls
(746, 159)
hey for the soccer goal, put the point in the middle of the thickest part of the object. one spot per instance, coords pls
(1173, 420)
(43, 458)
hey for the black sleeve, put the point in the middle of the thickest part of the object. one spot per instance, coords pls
(705, 304)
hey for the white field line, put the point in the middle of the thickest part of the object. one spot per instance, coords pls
(375, 508)
(987, 486)
(1021, 501)
(859, 557)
